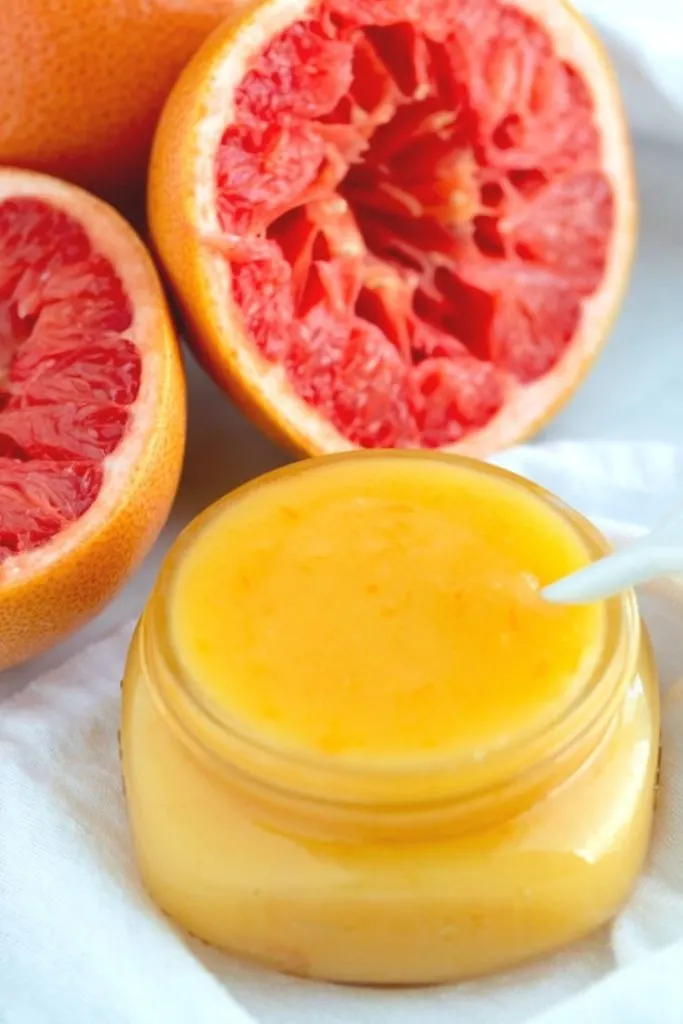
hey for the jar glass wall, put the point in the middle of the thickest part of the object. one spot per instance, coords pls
(389, 873)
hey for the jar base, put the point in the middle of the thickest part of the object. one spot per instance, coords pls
(399, 970)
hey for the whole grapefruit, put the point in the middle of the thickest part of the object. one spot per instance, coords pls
(82, 82)
(397, 223)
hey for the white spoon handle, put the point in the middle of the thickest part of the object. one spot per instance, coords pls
(614, 573)
(658, 554)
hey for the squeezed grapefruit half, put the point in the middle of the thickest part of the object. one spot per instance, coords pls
(92, 408)
(396, 224)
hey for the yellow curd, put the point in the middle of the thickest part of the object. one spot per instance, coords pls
(358, 745)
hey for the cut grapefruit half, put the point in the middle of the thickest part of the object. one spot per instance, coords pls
(92, 408)
(398, 223)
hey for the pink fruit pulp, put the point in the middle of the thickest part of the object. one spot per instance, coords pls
(68, 373)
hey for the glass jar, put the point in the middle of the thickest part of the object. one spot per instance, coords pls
(390, 876)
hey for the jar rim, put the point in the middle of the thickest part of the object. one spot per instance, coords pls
(356, 781)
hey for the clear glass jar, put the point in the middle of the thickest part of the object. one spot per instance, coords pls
(377, 876)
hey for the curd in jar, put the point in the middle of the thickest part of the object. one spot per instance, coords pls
(359, 746)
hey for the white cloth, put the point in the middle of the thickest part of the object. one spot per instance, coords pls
(646, 43)
(80, 943)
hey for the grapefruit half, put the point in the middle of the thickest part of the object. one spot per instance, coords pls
(398, 223)
(92, 408)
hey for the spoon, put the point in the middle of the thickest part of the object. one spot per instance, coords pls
(658, 553)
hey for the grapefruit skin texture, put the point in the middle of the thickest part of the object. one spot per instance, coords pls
(184, 229)
(82, 82)
(49, 592)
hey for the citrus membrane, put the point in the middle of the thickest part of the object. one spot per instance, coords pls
(68, 373)
(414, 210)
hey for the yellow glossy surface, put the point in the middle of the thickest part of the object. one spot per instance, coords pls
(413, 583)
(371, 891)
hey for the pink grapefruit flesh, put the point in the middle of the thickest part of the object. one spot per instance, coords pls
(68, 372)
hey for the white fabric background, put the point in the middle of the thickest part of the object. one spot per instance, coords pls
(80, 944)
